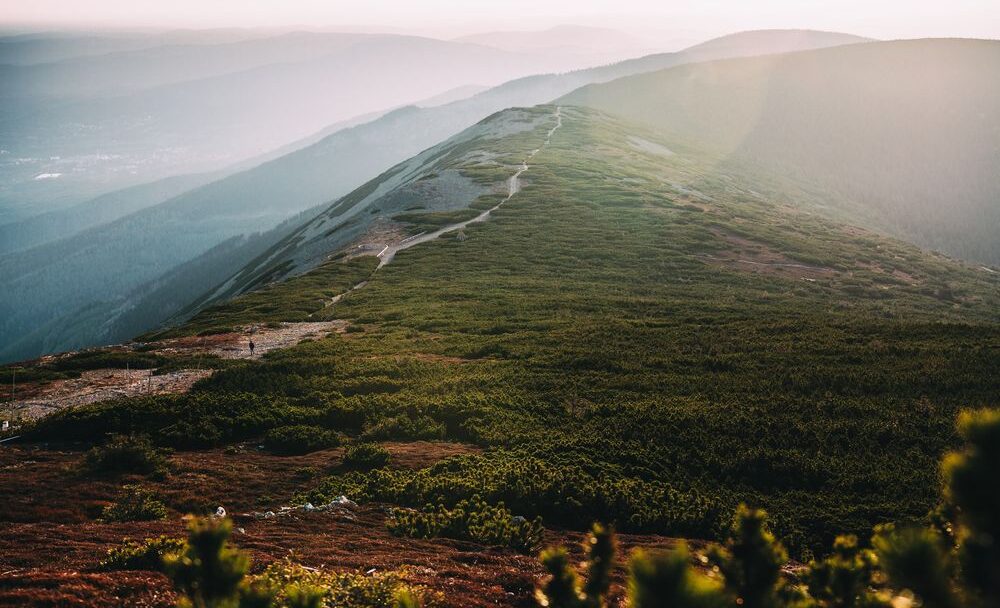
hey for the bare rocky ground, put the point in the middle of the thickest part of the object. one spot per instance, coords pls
(382, 233)
(102, 385)
(235, 345)
(39, 399)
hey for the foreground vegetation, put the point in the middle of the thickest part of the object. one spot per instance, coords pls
(954, 562)
(604, 343)
(950, 561)
(473, 520)
(208, 572)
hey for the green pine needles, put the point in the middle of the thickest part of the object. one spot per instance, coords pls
(209, 572)
(473, 519)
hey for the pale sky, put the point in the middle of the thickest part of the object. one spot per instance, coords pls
(876, 18)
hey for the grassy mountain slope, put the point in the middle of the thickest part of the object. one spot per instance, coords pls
(858, 122)
(106, 267)
(635, 335)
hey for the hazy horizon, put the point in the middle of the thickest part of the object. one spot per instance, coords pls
(650, 21)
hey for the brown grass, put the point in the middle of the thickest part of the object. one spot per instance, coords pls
(50, 542)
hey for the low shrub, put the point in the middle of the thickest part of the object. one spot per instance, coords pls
(100, 359)
(197, 419)
(209, 571)
(287, 581)
(404, 427)
(145, 555)
(473, 520)
(561, 493)
(300, 439)
(134, 503)
(127, 454)
(366, 456)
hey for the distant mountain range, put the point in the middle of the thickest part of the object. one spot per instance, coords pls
(593, 45)
(49, 46)
(82, 126)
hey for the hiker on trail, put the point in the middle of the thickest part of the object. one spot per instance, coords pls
(251, 347)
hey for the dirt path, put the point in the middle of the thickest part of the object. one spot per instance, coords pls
(235, 345)
(513, 187)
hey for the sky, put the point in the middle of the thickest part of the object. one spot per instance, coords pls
(445, 18)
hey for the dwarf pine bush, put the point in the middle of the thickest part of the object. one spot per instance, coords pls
(601, 547)
(134, 503)
(472, 519)
(300, 439)
(660, 580)
(919, 560)
(845, 579)
(565, 589)
(127, 454)
(366, 455)
(751, 561)
(208, 572)
(145, 555)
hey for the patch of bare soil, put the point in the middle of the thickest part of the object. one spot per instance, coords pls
(753, 256)
(379, 234)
